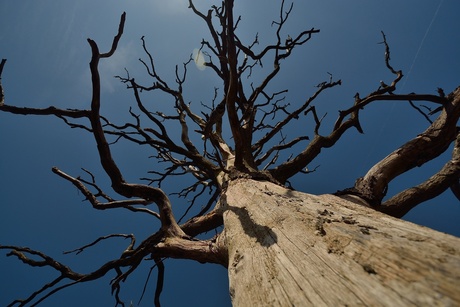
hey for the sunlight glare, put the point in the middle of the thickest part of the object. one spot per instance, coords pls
(198, 57)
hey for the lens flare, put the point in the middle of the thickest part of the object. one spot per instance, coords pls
(198, 57)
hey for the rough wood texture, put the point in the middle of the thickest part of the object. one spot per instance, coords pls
(288, 248)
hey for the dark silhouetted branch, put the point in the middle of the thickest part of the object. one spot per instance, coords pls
(160, 280)
(2, 93)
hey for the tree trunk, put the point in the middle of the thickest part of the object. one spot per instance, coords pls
(288, 248)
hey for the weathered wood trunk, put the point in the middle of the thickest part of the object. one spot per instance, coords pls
(288, 248)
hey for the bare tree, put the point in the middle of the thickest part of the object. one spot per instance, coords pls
(281, 247)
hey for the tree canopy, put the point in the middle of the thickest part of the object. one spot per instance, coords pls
(220, 115)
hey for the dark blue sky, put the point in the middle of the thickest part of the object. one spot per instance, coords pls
(45, 44)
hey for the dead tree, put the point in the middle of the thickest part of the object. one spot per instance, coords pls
(281, 247)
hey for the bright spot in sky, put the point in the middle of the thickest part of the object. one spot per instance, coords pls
(198, 57)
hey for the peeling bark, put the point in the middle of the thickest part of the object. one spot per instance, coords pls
(288, 248)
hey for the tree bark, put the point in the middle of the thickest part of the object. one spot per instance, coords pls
(288, 248)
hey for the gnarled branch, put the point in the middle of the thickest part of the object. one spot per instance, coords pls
(448, 176)
(425, 147)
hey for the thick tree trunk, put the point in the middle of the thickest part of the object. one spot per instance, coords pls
(288, 248)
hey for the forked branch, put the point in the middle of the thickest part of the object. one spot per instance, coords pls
(425, 147)
(447, 177)
(130, 204)
(118, 183)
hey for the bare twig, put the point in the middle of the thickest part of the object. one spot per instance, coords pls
(160, 280)
(128, 204)
(81, 249)
(2, 93)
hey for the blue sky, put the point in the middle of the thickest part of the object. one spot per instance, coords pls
(45, 44)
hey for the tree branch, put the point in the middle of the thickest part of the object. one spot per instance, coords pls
(2, 93)
(404, 201)
(118, 183)
(201, 224)
(128, 204)
(160, 280)
(425, 147)
(203, 251)
(47, 111)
